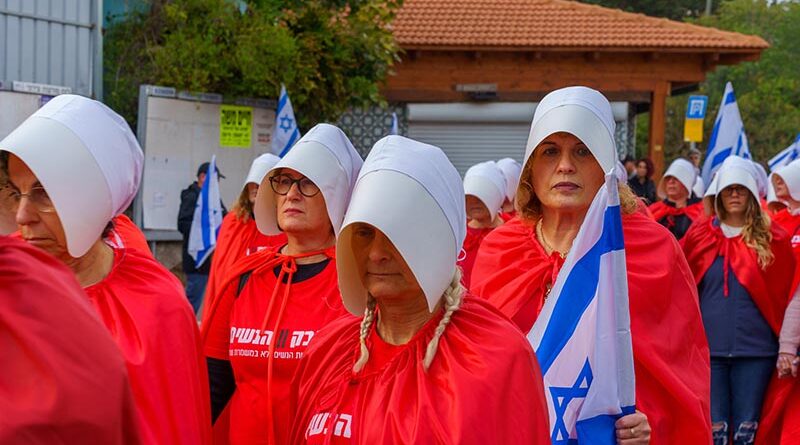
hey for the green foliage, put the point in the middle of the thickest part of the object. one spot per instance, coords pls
(331, 54)
(672, 9)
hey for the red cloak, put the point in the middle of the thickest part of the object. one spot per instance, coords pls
(264, 332)
(670, 351)
(470, 249)
(770, 290)
(236, 239)
(126, 234)
(484, 386)
(144, 307)
(661, 209)
(62, 379)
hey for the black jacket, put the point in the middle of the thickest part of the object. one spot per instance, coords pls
(646, 190)
(185, 215)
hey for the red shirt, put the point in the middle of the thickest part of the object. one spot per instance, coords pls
(471, 244)
(242, 330)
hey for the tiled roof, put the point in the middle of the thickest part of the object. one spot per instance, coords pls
(551, 24)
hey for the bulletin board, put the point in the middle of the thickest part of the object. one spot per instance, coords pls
(180, 131)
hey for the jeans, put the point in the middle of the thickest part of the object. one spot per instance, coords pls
(195, 288)
(738, 385)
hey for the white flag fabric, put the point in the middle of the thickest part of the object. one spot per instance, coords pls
(786, 156)
(286, 132)
(394, 130)
(582, 337)
(207, 218)
(727, 137)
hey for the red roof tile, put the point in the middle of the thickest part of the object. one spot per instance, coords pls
(551, 24)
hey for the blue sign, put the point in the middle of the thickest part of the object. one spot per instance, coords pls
(696, 109)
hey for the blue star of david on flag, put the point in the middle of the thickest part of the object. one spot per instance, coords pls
(286, 132)
(582, 337)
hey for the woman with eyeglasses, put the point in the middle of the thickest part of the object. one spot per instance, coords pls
(72, 167)
(272, 303)
(743, 266)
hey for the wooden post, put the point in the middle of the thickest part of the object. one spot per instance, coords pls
(658, 122)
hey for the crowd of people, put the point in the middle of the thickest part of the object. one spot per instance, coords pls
(385, 300)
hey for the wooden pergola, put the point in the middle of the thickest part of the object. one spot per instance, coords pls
(518, 50)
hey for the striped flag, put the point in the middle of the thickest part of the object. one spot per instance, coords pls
(727, 138)
(286, 132)
(207, 218)
(582, 338)
(786, 156)
(394, 130)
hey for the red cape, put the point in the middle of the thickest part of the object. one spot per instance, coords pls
(144, 307)
(126, 234)
(478, 390)
(470, 250)
(267, 319)
(670, 350)
(661, 209)
(62, 379)
(236, 239)
(770, 289)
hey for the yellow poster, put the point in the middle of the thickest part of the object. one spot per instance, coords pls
(235, 126)
(693, 130)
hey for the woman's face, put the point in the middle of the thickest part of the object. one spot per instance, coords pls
(252, 192)
(674, 189)
(781, 190)
(383, 271)
(734, 199)
(34, 213)
(298, 213)
(564, 174)
(477, 211)
(641, 170)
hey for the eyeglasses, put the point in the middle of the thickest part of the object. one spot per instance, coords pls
(37, 197)
(740, 190)
(281, 184)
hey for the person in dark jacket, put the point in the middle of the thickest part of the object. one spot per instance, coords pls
(642, 183)
(196, 278)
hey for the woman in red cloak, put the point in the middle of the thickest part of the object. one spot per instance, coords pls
(45, 325)
(272, 303)
(678, 207)
(427, 364)
(570, 147)
(511, 170)
(72, 167)
(484, 188)
(743, 267)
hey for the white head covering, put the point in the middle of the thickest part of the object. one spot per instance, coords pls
(486, 182)
(761, 179)
(737, 162)
(735, 174)
(326, 157)
(699, 187)
(88, 160)
(771, 197)
(259, 168)
(412, 193)
(583, 112)
(791, 176)
(511, 170)
(682, 170)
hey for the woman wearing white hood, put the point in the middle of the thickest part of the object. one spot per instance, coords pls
(272, 303)
(786, 183)
(72, 167)
(678, 206)
(743, 266)
(424, 364)
(511, 170)
(570, 150)
(485, 190)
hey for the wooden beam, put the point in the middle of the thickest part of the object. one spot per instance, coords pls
(658, 122)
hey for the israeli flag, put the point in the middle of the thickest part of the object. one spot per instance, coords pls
(727, 138)
(786, 156)
(394, 130)
(286, 132)
(582, 338)
(207, 218)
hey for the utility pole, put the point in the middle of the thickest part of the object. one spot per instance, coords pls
(708, 7)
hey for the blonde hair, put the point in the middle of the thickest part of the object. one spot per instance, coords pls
(243, 208)
(756, 232)
(529, 208)
(453, 297)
